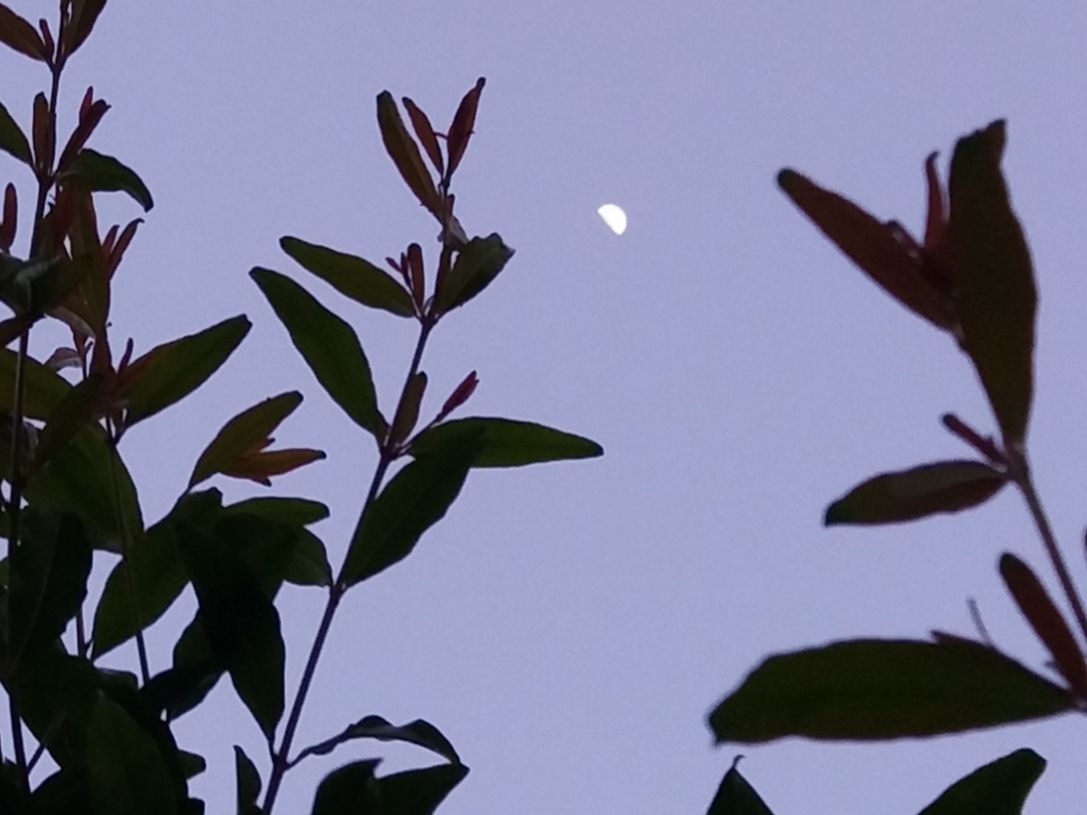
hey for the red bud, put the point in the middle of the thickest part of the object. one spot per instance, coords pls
(425, 132)
(415, 269)
(47, 37)
(45, 140)
(9, 219)
(459, 396)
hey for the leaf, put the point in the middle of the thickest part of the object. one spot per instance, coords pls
(19, 35)
(78, 409)
(328, 344)
(44, 388)
(419, 732)
(261, 465)
(351, 276)
(351, 788)
(240, 622)
(405, 154)
(736, 796)
(48, 579)
(1046, 620)
(998, 788)
(196, 670)
(905, 495)
(248, 783)
(463, 124)
(477, 264)
(13, 140)
(95, 172)
(84, 15)
(414, 500)
(992, 266)
(418, 792)
(873, 246)
(292, 511)
(242, 433)
(505, 442)
(175, 369)
(308, 564)
(424, 131)
(126, 770)
(884, 689)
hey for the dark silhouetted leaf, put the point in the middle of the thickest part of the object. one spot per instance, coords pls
(79, 408)
(1046, 620)
(944, 486)
(506, 443)
(13, 140)
(998, 788)
(463, 124)
(195, 671)
(416, 498)
(292, 511)
(177, 368)
(308, 561)
(352, 788)
(240, 622)
(418, 792)
(84, 15)
(96, 172)
(991, 264)
(419, 732)
(873, 245)
(243, 433)
(407, 412)
(127, 773)
(261, 465)
(21, 36)
(884, 689)
(737, 797)
(424, 131)
(351, 276)
(477, 264)
(405, 154)
(44, 388)
(328, 344)
(247, 782)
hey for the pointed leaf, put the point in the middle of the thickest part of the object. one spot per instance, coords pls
(998, 788)
(328, 344)
(261, 466)
(943, 486)
(308, 562)
(13, 140)
(248, 783)
(45, 389)
(78, 409)
(477, 264)
(464, 122)
(405, 154)
(992, 266)
(352, 788)
(93, 171)
(871, 244)
(506, 443)
(294, 511)
(419, 732)
(84, 15)
(1046, 620)
(418, 792)
(424, 131)
(19, 35)
(414, 500)
(736, 796)
(242, 434)
(127, 773)
(884, 689)
(175, 369)
(351, 276)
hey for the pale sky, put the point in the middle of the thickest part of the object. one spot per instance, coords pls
(568, 626)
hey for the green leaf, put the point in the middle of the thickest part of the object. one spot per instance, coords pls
(884, 689)
(291, 511)
(943, 486)
(419, 732)
(351, 276)
(127, 773)
(243, 433)
(77, 409)
(736, 796)
(477, 264)
(49, 571)
(275, 551)
(998, 299)
(45, 389)
(247, 781)
(351, 788)
(307, 564)
(196, 670)
(93, 171)
(328, 344)
(414, 500)
(19, 35)
(175, 369)
(506, 443)
(998, 788)
(418, 792)
(12, 140)
(240, 622)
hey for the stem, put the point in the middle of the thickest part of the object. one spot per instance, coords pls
(280, 757)
(1020, 472)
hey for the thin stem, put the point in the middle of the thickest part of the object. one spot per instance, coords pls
(1021, 474)
(281, 756)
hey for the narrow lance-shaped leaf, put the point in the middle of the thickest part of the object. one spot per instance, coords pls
(351, 276)
(998, 788)
(464, 122)
(84, 15)
(328, 344)
(405, 154)
(261, 465)
(736, 796)
(419, 732)
(12, 139)
(884, 689)
(943, 486)
(242, 433)
(477, 264)
(1046, 620)
(505, 442)
(420, 123)
(247, 781)
(97, 172)
(992, 266)
(175, 369)
(21, 36)
(871, 244)
(407, 412)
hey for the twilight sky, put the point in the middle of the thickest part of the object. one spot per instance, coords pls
(568, 626)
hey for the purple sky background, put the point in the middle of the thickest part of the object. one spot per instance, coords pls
(568, 626)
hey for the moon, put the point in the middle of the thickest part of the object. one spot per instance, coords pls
(614, 217)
